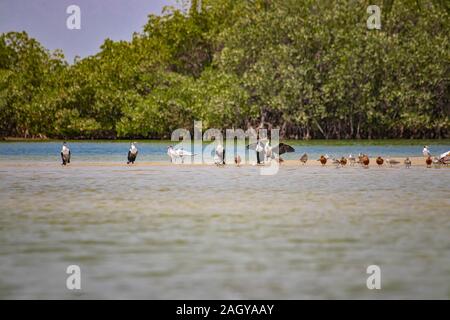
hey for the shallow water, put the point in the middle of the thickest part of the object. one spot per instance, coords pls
(206, 232)
(156, 151)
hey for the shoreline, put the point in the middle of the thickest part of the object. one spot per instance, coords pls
(331, 142)
(415, 162)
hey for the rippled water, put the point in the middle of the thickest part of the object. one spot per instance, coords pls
(206, 232)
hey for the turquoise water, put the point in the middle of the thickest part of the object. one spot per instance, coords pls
(188, 232)
(156, 151)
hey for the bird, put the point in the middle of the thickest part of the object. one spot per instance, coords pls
(445, 154)
(177, 153)
(258, 146)
(445, 158)
(323, 160)
(426, 151)
(343, 161)
(65, 154)
(335, 161)
(304, 158)
(352, 160)
(172, 153)
(237, 160)
(264, 148)
(282, 148)
(429, 161)
(268, 153)
(132, 153)
(365, 160)
(392, 162)
(436, 161)
(219, 157)
(380, 161)
(407, 163)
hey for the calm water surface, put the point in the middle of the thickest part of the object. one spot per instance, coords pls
(206, 232)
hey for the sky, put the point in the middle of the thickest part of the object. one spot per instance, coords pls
(45, 20)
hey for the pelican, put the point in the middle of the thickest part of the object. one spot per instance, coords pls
(304, 158)
(65, 154)
(219, 157)
(407, 163)
(445, 158)
(132, 153)
(268, 151)
(426, 151)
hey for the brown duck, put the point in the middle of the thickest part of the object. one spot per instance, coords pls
(237, 160)
(343, 161)
(380, 161)
(323, 160)
(428, 161)
(365, 160)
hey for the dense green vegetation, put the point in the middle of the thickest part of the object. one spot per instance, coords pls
(310, 68)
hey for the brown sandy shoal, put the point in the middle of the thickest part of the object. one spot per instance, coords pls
(415, 161)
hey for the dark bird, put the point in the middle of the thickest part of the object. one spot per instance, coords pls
(323, 160)
(429, 161)
(304, 158)
(132, 153)
(365, 160)
(237, 160)
(380, 161)
(65, 154)
(407, 163)
(268, 151)
(343, 161)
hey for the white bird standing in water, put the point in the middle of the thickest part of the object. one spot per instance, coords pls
(426, 151)
(132, 153)
(178, 153)
(65, 154)
(268, 152)
(219, 157)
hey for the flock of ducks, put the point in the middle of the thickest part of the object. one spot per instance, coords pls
(265, 152)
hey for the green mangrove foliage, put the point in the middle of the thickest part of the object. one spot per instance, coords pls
(311, 68)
